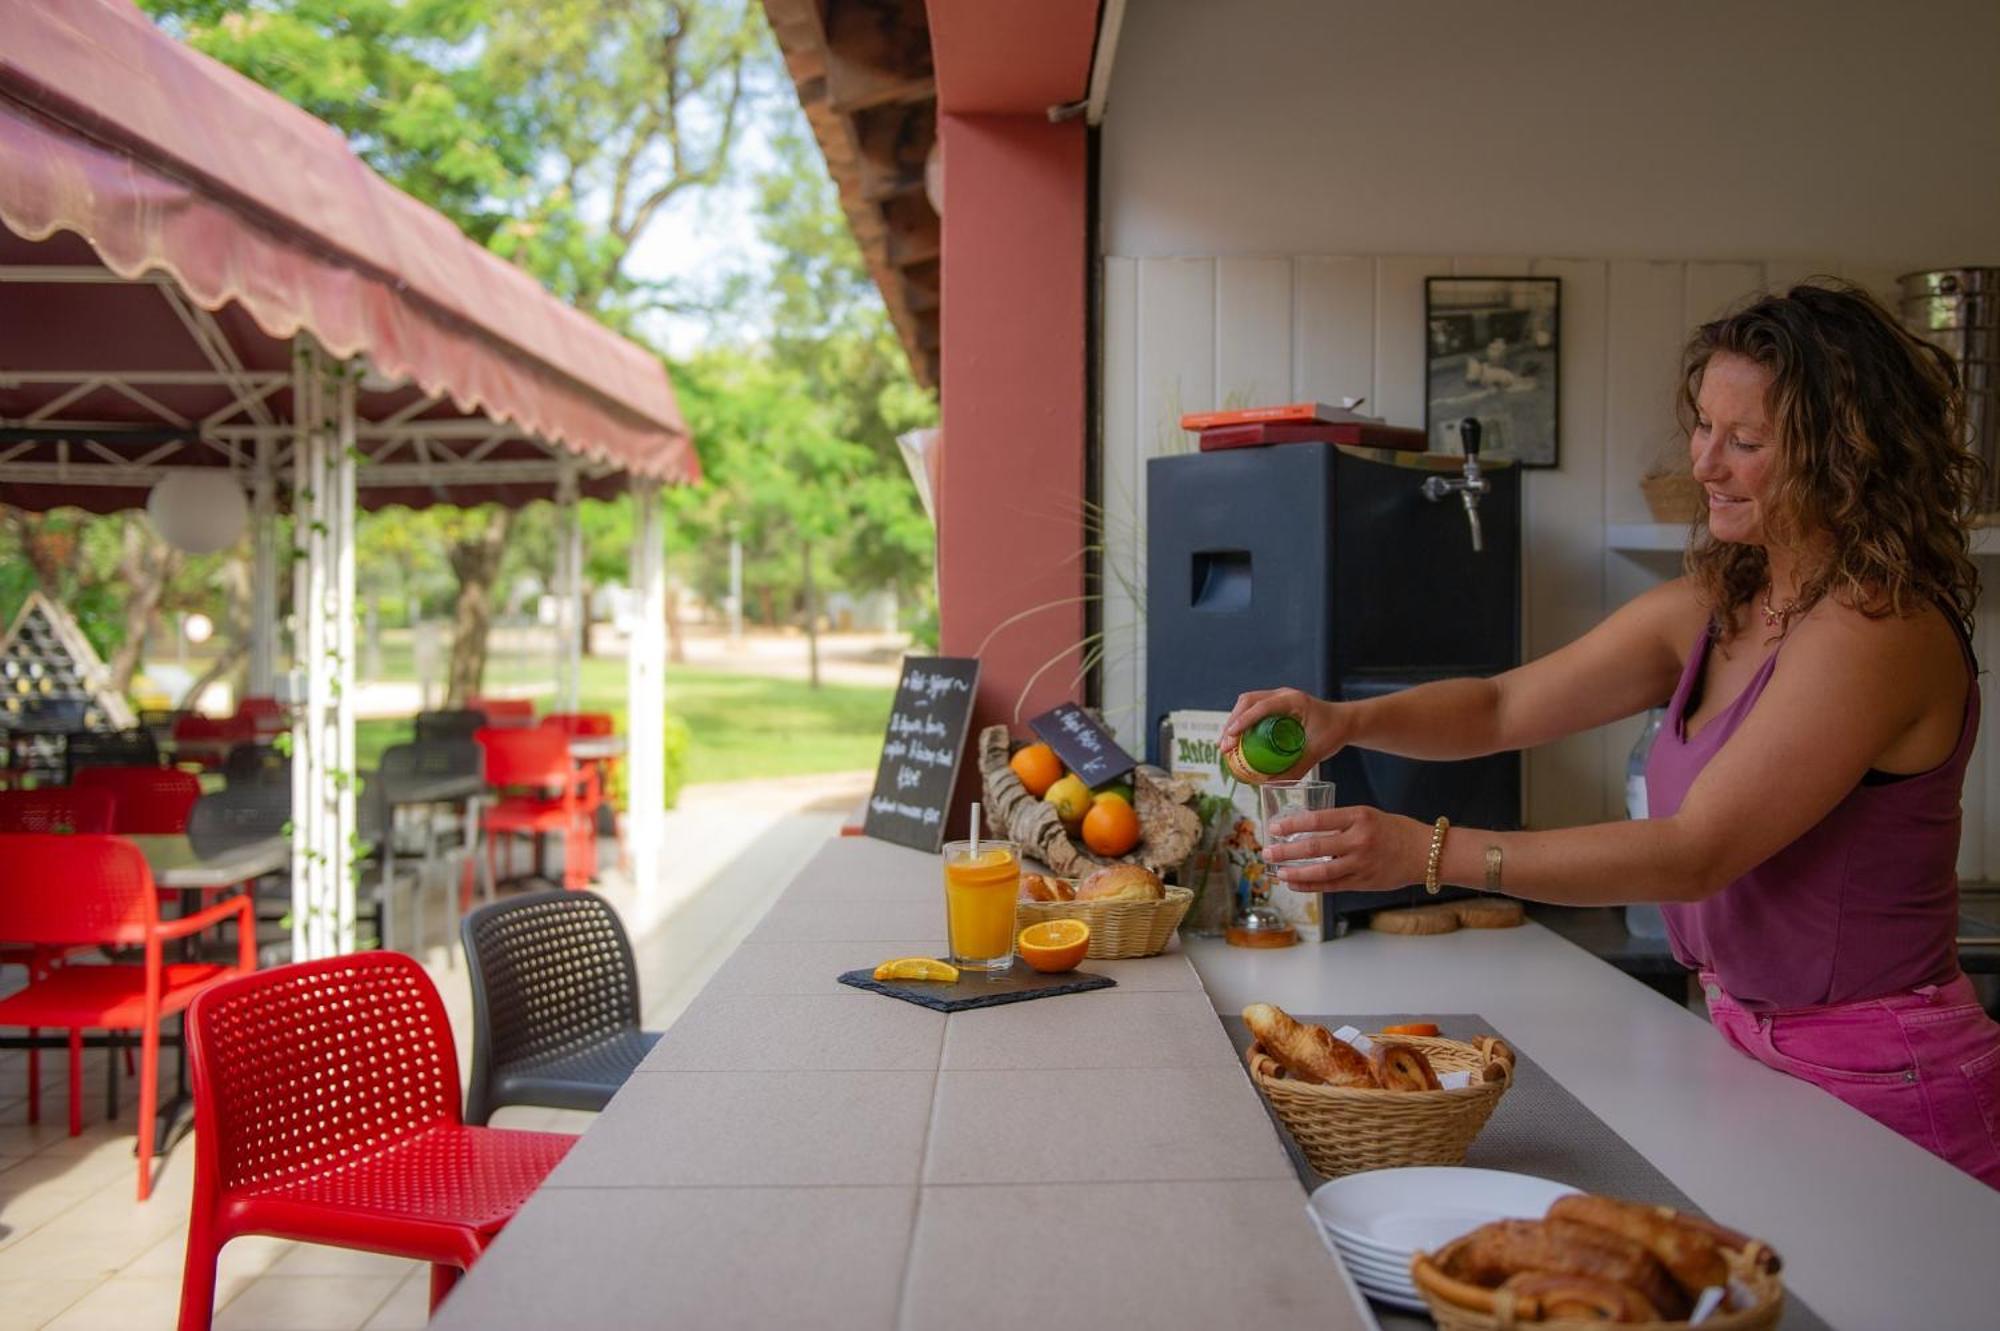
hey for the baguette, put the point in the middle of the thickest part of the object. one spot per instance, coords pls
(1493, 1253)
(1545, 1296)
(1307, 1053)
(1691, 1255)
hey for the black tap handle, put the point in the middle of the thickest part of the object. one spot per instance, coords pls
(1468, 436)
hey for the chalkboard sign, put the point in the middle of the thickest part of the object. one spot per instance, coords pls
(1083, 745)
(921, 751)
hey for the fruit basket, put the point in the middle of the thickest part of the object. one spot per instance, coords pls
(1460, 1306)
(1118, 929)
(1346, 1129)
(1168, 824)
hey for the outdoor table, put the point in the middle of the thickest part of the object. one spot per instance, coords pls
(596, 748)
(412, 790)
(175, 864)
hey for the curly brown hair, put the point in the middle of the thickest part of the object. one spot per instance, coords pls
(1870, 436)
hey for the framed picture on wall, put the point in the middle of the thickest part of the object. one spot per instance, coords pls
(1492, 351)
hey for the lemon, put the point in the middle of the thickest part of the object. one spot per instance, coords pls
(916, 968)
(1071, 798)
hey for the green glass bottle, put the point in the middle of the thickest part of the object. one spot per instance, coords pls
(1273, 745)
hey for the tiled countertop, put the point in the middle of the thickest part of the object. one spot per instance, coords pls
(799, 1153)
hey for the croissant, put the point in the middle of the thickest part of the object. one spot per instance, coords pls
(1403, 1067)
(1495, 1252)
(1036, 887)
(1692, 1256)
(1544, 1296)
(1307, 1053)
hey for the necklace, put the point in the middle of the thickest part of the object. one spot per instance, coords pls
(1773, 618)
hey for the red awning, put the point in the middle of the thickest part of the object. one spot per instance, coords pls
(167, 161)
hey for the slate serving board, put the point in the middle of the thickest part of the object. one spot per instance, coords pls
(974, 990)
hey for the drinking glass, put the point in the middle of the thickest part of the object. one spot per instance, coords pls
(1276, 799)
(979, 895)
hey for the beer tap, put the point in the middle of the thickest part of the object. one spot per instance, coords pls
(1469, 487)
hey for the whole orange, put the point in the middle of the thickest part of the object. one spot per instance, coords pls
(1038, 767)
(1111, 827)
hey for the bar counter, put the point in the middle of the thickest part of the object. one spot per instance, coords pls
(799, 1153)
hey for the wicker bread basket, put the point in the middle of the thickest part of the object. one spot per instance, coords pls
(1459, 1306)
(1118, 929)
(1346, 1129)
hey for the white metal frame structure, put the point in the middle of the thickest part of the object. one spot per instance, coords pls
(333, 458)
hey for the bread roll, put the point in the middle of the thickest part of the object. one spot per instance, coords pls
(1495, 1252)
(1404, 1067)
(1122, 882)
(1307, 1053)
(1544, 1296)
(1041, 887)
(1490, 913)
(1692, 1256)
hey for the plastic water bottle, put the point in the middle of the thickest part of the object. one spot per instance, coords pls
(1642, 921)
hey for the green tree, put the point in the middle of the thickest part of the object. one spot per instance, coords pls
(553, 131)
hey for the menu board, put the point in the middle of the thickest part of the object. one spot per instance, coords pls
(1084, 746)
(921, 751)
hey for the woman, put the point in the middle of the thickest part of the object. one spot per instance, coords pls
(1821, 706)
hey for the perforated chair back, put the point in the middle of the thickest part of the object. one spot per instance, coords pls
(197, 726)
(256, 765)
(507, 713)
(459, 723)
(300, 1068)
(238, 816)
(531, 756)
(74, 889)
(580, 723)
(108, 748)
(62, 809)
(151, 800)
(552, 974)
(429, 760)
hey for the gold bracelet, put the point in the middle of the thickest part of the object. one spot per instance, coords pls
(1436, 859)
(1493, 868)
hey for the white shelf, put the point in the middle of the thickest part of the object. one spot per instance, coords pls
(1671, 538)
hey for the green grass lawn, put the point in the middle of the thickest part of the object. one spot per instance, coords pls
(740, 726)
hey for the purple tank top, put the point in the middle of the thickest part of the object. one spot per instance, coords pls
(1864, 904)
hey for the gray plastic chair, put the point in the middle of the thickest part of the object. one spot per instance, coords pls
(555, 1003)
(407, 775)
(256, 765)
(457, 723)
(107, 748)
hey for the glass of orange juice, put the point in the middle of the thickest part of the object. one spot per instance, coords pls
(979, 894)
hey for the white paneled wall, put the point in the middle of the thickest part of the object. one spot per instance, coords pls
(1189, 334)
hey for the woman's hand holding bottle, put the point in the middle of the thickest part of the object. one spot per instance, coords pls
(1327, 727)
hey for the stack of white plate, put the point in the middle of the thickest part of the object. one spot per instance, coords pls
(1375, 1222)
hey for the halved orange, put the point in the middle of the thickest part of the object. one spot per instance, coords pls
(917, 968)
(1054, 945)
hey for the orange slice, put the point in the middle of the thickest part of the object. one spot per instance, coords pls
(1054, 945)
(1412, 1028)
(916, 968)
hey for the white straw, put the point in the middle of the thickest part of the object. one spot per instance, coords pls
(975, 830)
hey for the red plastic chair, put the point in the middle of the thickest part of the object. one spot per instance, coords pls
(80, 811)
(58, 890)
(214, 734)
(327, 1111)
(550, 795)
(152, 801)
(264, 716)
(504, 713)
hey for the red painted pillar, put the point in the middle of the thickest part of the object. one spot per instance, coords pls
(1010, 513)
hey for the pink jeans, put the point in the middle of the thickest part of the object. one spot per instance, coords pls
(1924, 1063)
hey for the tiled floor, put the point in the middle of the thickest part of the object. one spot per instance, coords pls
(78, 1251)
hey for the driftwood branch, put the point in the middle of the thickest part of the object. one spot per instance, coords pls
(1168, 825)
